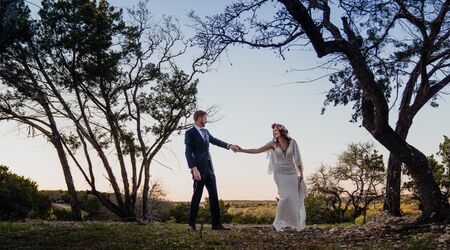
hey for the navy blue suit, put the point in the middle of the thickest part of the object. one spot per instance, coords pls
(197, 154)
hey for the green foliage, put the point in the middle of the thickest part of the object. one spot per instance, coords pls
(318, 211)
(89, 204)
(225, 216)
(62, 214)
(14, 23)
(422, 242)
(444, 152)
(20, 198)
(42, 206)
(180, 213)
(91, 207)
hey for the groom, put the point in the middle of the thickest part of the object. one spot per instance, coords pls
(197, 141)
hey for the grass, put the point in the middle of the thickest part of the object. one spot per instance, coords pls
(119, 235)
(422, 242)
(345, 224)
(78, 235)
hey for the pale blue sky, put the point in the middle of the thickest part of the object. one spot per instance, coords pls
(246, 86)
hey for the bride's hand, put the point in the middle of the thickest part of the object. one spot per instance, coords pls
(300, 178)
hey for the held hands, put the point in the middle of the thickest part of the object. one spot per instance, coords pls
(235, 148)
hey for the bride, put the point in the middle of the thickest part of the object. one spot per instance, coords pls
(287, 166)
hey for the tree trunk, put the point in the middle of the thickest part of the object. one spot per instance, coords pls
(365, 215)
(55, 139)
(147, 161)
(365, 207)
(394, 169)
(129, 208)
(393, 186)
(76, 211)
(435, 206)
(145, 192)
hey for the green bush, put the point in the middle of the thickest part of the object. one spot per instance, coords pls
(19, 197)
(319, 212)
(89, 204)
(225, 216)
(42, 207)
(180, 213)
(62, 214)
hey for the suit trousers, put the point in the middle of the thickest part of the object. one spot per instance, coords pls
(209, 181)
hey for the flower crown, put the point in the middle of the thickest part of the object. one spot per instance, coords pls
(280, 127)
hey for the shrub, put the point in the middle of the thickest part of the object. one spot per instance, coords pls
(62, 214)
(42, 206)
(180, 213)
(89, 204)
(19, 197)
(319, 212)
(225, 216)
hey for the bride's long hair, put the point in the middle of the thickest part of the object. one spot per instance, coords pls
(284, 133)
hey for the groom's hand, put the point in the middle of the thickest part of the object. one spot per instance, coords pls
(196, 174)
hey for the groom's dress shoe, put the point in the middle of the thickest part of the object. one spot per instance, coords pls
(220, 227)
(191, 228)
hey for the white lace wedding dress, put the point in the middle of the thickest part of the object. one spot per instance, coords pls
(291, 206)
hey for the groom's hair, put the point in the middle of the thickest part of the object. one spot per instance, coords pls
(198, 114)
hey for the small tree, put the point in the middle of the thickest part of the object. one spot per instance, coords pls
(360, 166)
(325, 187)
(363, 167)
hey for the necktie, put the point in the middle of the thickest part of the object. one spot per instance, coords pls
(204, 135)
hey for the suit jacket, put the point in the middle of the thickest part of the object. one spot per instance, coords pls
(197, 150)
